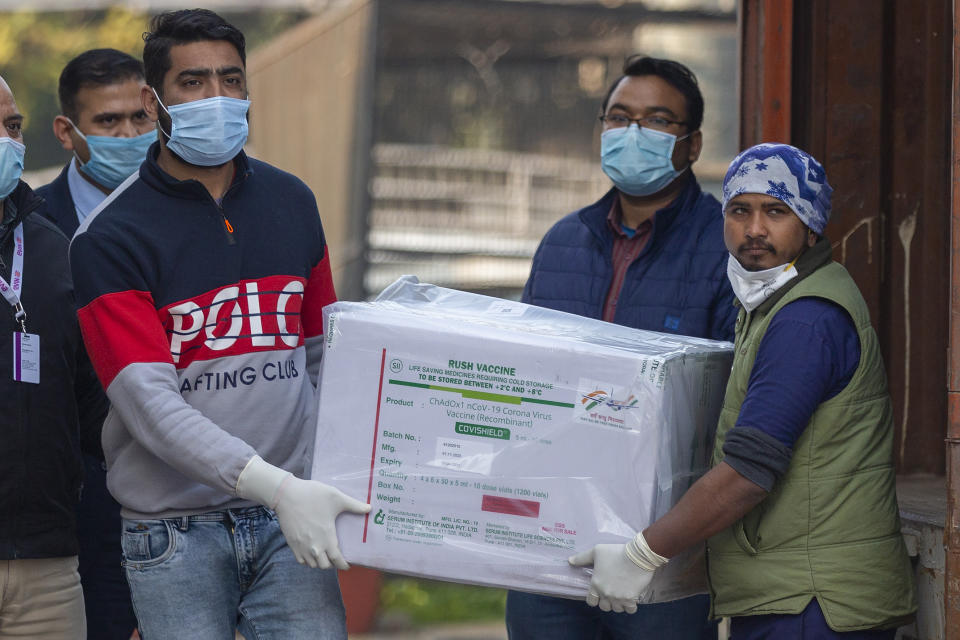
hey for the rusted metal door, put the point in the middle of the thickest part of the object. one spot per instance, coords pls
(873, 94)
(868, 94)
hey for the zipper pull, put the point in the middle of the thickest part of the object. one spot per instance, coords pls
(228, 228)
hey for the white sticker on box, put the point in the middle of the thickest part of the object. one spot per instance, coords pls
(331, 329)
(605, 404)
(506, 308)
(654, 371)
(463, 455)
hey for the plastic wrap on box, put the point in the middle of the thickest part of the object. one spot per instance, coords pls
(493, 439)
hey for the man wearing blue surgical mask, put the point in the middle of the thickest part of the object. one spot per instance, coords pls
(649, 255)
(51, 404)
(103, 124)
(201, 282)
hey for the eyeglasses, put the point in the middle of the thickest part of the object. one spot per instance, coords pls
(660, 123)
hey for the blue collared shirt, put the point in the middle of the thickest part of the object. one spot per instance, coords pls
(808, 355)
(86, 197)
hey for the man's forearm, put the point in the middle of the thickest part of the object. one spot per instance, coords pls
(147, 398)
(717, 500)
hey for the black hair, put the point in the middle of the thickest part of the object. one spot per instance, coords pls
(673, 73)
(94, 68)
(183, 27)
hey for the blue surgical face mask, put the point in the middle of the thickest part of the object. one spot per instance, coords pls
(207, 132)
(11, 165)
(639, 161)
(113, 159)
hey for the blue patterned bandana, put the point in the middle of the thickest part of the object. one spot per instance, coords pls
(786, 173)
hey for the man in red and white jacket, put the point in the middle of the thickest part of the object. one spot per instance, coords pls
(200, 282)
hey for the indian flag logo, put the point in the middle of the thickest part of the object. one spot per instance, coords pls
(594, 398)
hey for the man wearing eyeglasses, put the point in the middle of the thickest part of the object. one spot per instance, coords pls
(649, 255)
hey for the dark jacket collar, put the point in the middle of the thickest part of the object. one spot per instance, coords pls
(17, 206)
(595, 216)
(157, 178)
(59, 205)
(819, 255)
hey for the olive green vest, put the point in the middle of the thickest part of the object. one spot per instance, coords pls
(830, 528)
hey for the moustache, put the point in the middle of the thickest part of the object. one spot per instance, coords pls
(757, 244)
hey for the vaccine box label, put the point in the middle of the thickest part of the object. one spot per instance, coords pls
(490, 453)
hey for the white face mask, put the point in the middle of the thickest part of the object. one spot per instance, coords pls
(753, 287)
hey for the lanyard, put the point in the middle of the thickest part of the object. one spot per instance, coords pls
(11, 290)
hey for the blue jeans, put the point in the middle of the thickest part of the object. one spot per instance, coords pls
(205, 576)
(536, 617)
(809, 624)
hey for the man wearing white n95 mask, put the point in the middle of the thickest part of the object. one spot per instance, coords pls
(201, 281)
(800, 508)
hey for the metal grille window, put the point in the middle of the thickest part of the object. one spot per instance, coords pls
(468, 218)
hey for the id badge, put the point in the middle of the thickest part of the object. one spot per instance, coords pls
(26, 357)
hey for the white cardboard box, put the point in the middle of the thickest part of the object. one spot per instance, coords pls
(494, 439)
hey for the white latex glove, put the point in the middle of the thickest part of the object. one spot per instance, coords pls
(617, 583)
(306, 510)
(621, 573)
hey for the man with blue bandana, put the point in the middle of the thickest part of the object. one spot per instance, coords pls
(800, 508)
(647, 255)
(102, 122)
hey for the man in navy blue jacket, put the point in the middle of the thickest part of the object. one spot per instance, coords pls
(648, 255)
(52, 407)
(102, 122)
